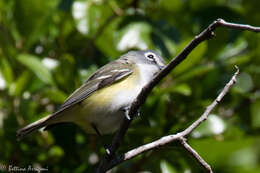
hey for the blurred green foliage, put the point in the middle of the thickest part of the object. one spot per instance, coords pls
(48, 48)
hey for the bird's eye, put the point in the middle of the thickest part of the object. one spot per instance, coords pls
(150, 56)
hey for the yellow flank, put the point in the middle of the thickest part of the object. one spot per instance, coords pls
(105, 95)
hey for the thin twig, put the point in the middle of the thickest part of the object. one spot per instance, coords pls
(238, 26)
(194, 153)
(204, 35)
(179, 136)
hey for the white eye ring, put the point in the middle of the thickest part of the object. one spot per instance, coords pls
(150, 56)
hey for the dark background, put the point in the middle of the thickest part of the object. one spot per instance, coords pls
(48, 48)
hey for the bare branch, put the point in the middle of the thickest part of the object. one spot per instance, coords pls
(179, 136)
(204, 35)
(238, 26)
(204, 116)
(194, 153)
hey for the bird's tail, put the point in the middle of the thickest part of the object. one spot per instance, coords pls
(32, 127)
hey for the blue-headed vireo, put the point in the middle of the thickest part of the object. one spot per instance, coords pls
(99, 105)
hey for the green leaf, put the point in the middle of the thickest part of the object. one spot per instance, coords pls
(90, 15)
(20, 84)
(255, 114)
(223, 149)
(172, 6)
(244, 83)
(56, 151)
(2, 82)
(108, 36)
(183, 89)
(214, 125)
(193, 58)
(233, 49)
(55, 95)
(31, 18)
(196, 71)
(6, 71)
(166, 167)
(35, 65)
(134, 35)
(245, 157)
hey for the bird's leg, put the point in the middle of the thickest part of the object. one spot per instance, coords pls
(100, 136)
(126, 111)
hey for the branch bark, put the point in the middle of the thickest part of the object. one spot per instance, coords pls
(179, 136)
(194, 153)
(204, 35)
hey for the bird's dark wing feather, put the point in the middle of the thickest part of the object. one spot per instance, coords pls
(105, 76)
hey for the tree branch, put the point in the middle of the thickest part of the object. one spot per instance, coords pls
(179, 136)
(194, 153)
(204, 35)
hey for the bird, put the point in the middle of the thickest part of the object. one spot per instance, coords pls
(99, 105)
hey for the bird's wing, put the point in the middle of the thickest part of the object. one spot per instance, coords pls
(105, 76)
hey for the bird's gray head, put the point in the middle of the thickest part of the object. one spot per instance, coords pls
(148, 63)
(145, 57)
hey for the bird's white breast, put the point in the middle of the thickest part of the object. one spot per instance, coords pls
(106, 107)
